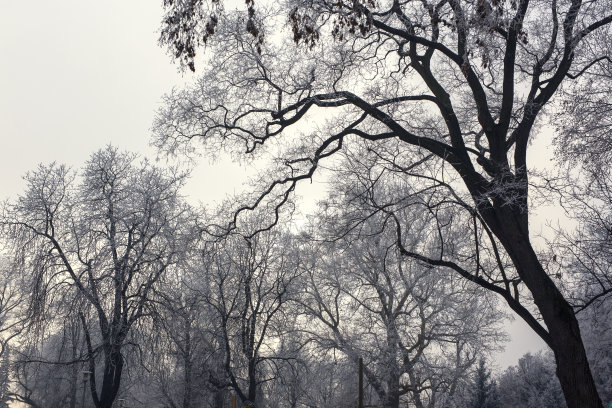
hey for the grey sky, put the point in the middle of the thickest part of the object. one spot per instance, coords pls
(76, 75)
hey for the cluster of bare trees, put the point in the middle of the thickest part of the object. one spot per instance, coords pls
(118, 283)
(117, 278)
(420, 115)
(439, 101)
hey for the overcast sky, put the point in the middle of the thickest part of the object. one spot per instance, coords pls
(76, 75)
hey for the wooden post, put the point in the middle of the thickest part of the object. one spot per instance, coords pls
(360, 400)
(233, 401)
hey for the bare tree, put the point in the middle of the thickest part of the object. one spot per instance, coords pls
(249, 282)
(462, 82)
(47, 366)
(596, 322)
(582, 252)
(583, 121)
(582, 257)
(94, 246)
(419, 328)
(185, 347)
(12, 306)
(13, 318)
(531, 383)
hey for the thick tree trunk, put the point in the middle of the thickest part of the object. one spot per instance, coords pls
(252, 396)
(74, 385)
(187, 397)
(393, 395)
(416, 394)
(573, 368)
(113, 367)
(219, 398)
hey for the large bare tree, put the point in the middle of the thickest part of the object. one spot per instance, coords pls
(93, 246)
(249, 283)
(460, 82)
(419, 329)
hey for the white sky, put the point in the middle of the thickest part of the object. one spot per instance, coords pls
(76, 75)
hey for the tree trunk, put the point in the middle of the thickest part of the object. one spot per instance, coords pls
(252, 396)
(187, 397)
(573, 368)
(74, 385)
(187, 367)
(219, 398)
(113, 367)
(393, 395)
(416, 394)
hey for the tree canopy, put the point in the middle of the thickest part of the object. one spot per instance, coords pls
(436, 102)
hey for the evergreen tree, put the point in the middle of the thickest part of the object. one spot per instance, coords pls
(485, 393)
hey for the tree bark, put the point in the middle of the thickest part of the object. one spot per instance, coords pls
(252, 392)
(113, 367)
(219, 398)
(565, 341)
